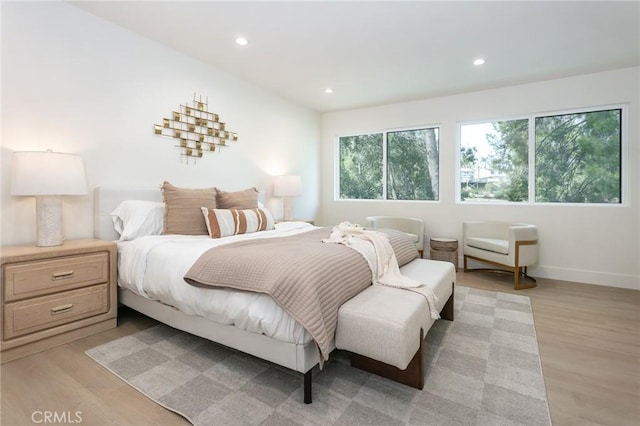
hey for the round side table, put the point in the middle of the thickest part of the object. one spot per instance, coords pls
(445, 249)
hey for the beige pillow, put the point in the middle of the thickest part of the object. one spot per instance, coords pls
(182, 214)
(239, 200)
(227, 222)
(403, 247)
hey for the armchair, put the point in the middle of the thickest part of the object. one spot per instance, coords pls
(413, 227)
(513, 246)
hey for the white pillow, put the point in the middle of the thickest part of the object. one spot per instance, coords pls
(137, 218)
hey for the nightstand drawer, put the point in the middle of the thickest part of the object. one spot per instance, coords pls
(36, 314)
(36, 278)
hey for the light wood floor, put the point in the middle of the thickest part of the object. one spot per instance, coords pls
(589, 343)
(589, 340)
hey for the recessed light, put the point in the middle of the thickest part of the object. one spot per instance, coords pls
(478, 61)
(242, 41)
(328, 90)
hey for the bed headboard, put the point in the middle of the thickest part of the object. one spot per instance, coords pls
(106, 199)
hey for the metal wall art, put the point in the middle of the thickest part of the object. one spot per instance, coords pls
(196, 129)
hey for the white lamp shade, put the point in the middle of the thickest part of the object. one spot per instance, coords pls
(47, 173)
(287, 186)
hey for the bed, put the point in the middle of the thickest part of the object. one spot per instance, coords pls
(298, 353)
(151, 279)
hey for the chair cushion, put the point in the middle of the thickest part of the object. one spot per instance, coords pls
(491, 244)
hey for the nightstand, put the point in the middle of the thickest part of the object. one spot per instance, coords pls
(53, 295)
(445, 249)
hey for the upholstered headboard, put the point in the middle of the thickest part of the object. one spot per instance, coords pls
(106, 199)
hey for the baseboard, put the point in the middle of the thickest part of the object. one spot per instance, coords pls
(609, 279)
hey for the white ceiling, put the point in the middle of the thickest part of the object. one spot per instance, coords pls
(374, 53)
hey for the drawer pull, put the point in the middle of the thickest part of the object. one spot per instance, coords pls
(61, 275)
(62, 309)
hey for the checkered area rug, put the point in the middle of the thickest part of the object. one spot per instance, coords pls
(481, 369)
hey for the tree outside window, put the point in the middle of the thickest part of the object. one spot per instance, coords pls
(494, 161)
(411, 165)
(577, 159)
(361, 167)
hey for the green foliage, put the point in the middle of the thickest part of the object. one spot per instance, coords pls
(412, 165)
(468, 157)
(410, 173)
(512, 158)
(505, 171)
(361, 167)
(578, 158)
(577, 161)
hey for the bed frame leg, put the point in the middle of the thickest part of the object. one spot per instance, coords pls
(307, 387)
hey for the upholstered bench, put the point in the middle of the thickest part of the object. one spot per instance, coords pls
(384, 327)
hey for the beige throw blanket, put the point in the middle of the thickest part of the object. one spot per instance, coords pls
(310, 280)
(376, 249)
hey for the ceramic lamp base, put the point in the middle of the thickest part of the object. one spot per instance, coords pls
(49, 220)
(287, 209)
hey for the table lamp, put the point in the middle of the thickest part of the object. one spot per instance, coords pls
(48, 176)
(287, 187)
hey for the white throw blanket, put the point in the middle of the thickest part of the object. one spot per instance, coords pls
(374, 246)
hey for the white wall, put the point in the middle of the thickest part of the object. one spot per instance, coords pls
(578, 243)
(76, 83)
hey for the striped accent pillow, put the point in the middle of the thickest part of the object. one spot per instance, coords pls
(403, 247)
(226, 222)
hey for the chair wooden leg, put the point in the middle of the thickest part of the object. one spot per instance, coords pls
(517, 272)
(516, 269)
(516, 279)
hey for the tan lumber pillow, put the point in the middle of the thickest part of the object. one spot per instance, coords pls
(244, 199)
(226, 222)
(182, 214)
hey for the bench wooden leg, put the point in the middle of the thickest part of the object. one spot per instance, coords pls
(412, 376)
(447, 310)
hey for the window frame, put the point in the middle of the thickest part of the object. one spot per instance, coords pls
(624, 156)
(384, 132)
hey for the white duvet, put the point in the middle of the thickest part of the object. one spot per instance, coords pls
(154, 267)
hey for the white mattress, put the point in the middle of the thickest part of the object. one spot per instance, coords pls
(154, 267)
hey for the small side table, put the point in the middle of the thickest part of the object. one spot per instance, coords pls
(54, 295)
(445, 249)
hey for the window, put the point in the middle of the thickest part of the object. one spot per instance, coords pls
(563, 158)
(361, 167)
(578, 157)
(394, 165)
(494, 161)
